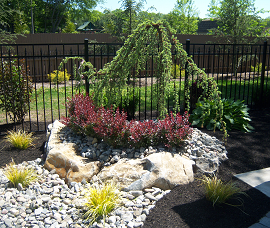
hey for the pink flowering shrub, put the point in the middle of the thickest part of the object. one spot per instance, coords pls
(113, 127)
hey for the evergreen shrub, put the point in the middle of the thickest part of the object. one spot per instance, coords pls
(15, 89)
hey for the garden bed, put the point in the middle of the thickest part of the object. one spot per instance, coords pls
(186, 205)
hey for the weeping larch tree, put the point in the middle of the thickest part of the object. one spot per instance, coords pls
(148, 40)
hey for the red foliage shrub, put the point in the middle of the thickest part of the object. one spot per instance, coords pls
(142, 133)
(113, 127)
(174, 129)
(82, 115)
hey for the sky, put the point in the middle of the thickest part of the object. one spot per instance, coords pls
(167, 6)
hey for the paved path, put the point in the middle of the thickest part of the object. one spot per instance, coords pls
(259, 179)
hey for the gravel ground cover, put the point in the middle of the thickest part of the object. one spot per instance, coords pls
(186, 206)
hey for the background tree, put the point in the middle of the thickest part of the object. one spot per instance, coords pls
(184, 17)
(131, 8)
(267, 21)
(6, 11)
(113, 22)
(151, 16)
(78, 18)
(237, 20)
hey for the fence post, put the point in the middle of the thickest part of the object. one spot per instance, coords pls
(186, 75)
(263, 72)
(86, 58)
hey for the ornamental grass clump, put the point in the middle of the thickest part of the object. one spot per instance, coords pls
(219, 193)
(20, 139)
(101, 200)
(20, 174)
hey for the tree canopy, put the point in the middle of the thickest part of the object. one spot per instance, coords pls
(237, 20)
(184, 17)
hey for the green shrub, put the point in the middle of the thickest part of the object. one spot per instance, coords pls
(218, 192)
(257, 68)
(235, 115)
(175, 71)
(59, 76)
(15, 89)
(21, 139)
(101, 201)
(20, 174)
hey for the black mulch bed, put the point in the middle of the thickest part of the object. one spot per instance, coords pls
(186, 205)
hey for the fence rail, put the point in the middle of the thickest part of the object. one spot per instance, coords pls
(241, 71)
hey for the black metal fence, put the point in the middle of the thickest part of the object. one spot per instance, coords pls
(241, 71)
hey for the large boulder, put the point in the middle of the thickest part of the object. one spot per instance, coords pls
(64, 160)
(68, 165)
(164, 170)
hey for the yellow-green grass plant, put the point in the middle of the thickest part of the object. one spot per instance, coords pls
(219, 192)
(20, 139)
(101, 200)
(20, 174)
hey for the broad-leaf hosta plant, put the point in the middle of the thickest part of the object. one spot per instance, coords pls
(233, 113)
(20, 174)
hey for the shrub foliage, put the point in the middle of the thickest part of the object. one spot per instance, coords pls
(59, 76)
(135, 54)
(15, 89)
(113, 127)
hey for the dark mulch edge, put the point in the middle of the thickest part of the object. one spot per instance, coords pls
(186, 206)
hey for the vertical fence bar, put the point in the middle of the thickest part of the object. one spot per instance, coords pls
(263, 71)
(218, 62)
(186, 74)
(267, 76)
(28, 89)
(86, 58)
(152, 75)
(254, 89)
(249, 84)
(43, 89)
(35, 79)
(50, 82)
